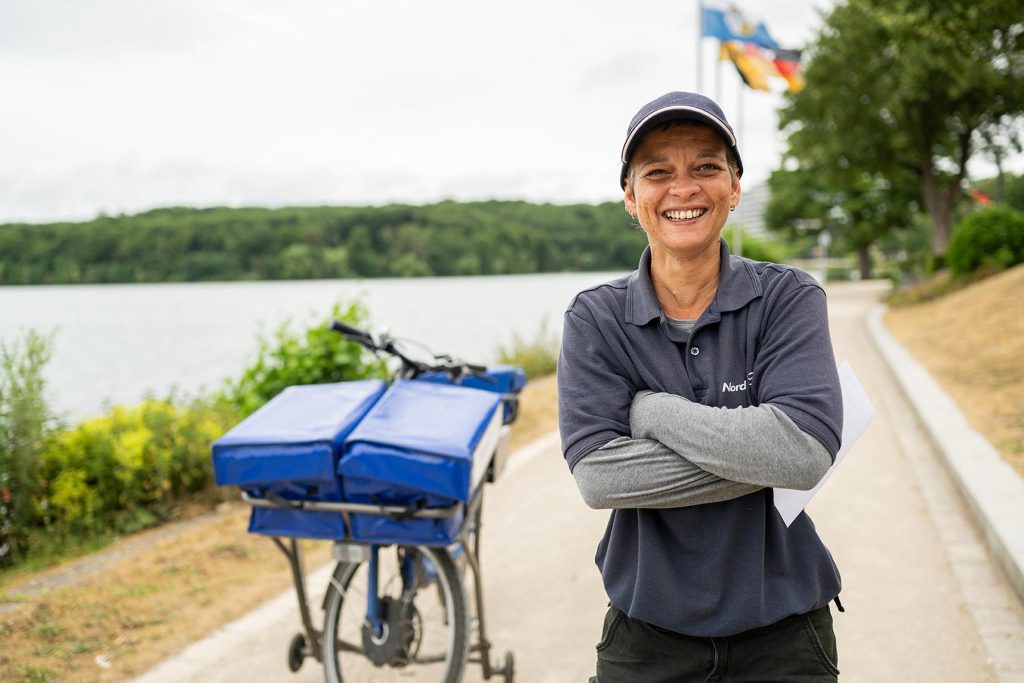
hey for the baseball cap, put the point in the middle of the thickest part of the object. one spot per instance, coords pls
(670, 107)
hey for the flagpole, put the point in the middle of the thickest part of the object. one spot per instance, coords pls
(718, 75)
(737, 234)
(700, 39)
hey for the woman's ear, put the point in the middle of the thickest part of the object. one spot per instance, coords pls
(734, 198)
(630, 199)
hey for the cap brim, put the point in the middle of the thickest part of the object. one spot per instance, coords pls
(673, 113)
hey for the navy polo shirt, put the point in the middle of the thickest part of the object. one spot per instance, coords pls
(720, 568)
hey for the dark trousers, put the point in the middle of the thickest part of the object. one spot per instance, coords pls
(801, 648)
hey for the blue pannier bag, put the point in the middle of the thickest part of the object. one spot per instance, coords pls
(507, 380)
(423, 445)
(289, 449)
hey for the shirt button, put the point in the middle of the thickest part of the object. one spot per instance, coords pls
(694, 351)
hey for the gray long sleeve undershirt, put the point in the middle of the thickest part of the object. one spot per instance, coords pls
(683, 453)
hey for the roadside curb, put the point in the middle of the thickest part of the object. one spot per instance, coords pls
(992, 490)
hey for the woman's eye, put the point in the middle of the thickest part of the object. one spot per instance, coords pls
(709, 167)
(656, 171)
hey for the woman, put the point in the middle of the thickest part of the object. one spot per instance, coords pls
(687, 390)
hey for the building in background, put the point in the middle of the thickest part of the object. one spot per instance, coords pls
(749, 214)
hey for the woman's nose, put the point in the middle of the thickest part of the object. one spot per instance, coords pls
(683, 186)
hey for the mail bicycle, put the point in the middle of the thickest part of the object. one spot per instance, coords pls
(405, 521)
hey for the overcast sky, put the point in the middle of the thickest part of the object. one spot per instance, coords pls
(118, 106)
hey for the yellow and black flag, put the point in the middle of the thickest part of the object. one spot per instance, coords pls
(756, 65)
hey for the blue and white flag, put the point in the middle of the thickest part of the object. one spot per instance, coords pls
(731, 24)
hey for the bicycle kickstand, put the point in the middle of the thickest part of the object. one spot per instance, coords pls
(306, 644)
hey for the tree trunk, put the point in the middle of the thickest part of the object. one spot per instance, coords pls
(938, 202)
(864, 261)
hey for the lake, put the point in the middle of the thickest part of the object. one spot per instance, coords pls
(115, 343)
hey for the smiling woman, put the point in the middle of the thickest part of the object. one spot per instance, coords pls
(695, 558)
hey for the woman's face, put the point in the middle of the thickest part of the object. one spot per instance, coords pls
(680, 189)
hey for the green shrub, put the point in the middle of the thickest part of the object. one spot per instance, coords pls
(992, 239)
(126, 470)
(64, 490)
(313, 356)
(25, 425)
(538, 357)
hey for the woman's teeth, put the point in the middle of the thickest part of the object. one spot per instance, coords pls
(689, 214)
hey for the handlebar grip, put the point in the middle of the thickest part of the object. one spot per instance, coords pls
(353, 333)
(344, 328)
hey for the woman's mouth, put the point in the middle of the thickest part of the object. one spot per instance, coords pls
(684, 214)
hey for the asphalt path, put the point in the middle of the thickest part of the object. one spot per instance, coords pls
(924, 600)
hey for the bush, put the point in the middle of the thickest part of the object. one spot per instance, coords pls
(25, 426)
(314, 356)
(538, 357)
(65, 489)
(126, 470)
(992, 239)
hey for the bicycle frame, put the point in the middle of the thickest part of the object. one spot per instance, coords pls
(293, 553)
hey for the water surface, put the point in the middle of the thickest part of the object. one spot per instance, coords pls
(113, 343)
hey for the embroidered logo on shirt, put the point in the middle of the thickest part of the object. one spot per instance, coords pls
(747, 382)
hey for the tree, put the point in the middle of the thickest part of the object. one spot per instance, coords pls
(910, 86)
(856, 214)
(1005, 189)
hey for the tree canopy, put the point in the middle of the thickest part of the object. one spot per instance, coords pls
(448, 238)
(907, 90)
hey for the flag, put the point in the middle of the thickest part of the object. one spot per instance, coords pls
(732, 25)
(787, 63)
(757, 65)
(753, 69)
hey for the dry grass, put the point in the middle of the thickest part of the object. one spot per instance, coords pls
(146, 606)
(173, 591)
(538, 413)
(972, 342)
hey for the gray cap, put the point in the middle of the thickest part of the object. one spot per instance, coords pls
(670, 107)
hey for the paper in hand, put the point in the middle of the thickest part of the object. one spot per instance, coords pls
(857, 414)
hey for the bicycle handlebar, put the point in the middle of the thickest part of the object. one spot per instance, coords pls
(453, 366)
(353, 334)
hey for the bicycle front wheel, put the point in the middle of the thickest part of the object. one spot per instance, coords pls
(425, 623)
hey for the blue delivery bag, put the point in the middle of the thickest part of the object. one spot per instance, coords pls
(424, 445)
(289, 449)
(507, 380)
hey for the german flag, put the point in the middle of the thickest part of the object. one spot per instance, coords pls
(787, 63)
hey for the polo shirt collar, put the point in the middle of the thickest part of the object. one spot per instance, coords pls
(737, 287)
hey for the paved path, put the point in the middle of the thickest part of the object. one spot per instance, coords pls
(924, 600)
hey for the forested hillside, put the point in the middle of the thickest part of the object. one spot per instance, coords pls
(449, 238)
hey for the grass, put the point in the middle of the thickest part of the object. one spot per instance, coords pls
(972, 341)
(936, 286)
(538, 357)
(170, 593)
(137, 612)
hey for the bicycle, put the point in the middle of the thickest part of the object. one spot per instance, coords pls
(396, 601)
